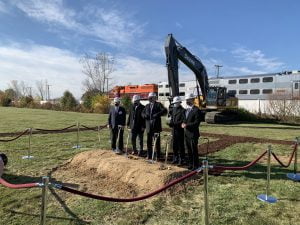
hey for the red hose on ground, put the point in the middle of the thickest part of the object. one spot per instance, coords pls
(66, 128)
(290, 160)
(240, 167)
(111, 199)
(15, 138)
(18, 186)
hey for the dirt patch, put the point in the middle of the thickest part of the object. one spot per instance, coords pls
(225, 141)
(103, 172)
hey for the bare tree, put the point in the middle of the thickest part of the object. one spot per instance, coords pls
(14, 84)
(98, 71)
(42, 89)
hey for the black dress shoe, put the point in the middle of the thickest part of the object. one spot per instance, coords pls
(175, 161)
(191, 168)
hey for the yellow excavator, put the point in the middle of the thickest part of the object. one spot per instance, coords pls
(213, 100)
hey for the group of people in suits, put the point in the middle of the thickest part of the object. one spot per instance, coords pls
(184, 123)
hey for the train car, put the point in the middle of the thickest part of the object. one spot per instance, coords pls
(261, 86)
(257, 86)
(130, 90)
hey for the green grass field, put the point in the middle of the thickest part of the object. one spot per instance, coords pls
(232, 196)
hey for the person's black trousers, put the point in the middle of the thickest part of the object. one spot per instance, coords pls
(178, 144)
(192, 147)
(114, 136)
(150, 143)
(134, 135)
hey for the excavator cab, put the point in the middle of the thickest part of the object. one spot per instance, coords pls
(216, 97)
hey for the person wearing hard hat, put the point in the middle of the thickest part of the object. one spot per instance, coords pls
(136, 124)
(191, 131)
(177, 118)
(3, 162)
(152, 114)
(116, 123)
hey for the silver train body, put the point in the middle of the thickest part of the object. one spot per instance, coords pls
(249, 87)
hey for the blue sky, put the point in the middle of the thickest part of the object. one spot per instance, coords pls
(44, 39)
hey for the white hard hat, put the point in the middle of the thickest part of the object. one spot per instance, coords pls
(136, 98)
(189, 96)
(151, 94)
(176, 99)
(116, 99)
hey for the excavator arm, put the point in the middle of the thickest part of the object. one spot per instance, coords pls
(175, 51)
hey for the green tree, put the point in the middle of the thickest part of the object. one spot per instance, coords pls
(101, 103)
(4, 99)
(68, 101)
(87, 98)
(10, 93)
(126, 102)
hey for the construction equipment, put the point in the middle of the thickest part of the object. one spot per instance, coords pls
(213, 100)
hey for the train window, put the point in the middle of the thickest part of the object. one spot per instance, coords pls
(267, 91)
(231, 92)
(231, 81)
(167, 94)
(243, 92)
(254, 80)
(182, 85)
(296, 85)
(267, 79)
(181, 93)
(243, 81)
(254, 92)
(160, 86)
(167, 86)
(161, 94)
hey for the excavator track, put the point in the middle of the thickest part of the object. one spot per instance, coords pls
(217, 117)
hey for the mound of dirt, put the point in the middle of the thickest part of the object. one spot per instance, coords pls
(103, 172)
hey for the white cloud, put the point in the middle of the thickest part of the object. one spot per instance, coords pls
(258, 58)
(49, 11)
(138, 71)
(35, 62)
(179, 25)
(3, 8)
(204, 50)
(63, 71)
(112, 27)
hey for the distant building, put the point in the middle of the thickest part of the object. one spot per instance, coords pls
(253, 91)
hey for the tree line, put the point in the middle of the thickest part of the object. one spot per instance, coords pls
(98, 81)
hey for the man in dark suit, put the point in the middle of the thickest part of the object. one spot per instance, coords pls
(152, 114)
(191, 131)
(116, 123)
(177, 118)
(136, 124)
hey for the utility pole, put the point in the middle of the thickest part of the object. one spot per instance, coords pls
(48, 91)
(218, 69)
(30, 91)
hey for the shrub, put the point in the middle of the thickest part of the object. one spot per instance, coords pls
(24, 101)
(100, 103)
(5, 100)
(87, 98)
(126, 102)
(68, 102)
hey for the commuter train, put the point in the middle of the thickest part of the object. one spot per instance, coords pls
(257, 86)
(130, 90)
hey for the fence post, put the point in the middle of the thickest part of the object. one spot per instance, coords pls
(77, 146)
(295, 176)
(45, 181)
(266, 197)
(205, 178)
(99, 136)
(28, 156)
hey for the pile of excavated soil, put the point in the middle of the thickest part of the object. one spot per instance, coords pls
(105, 173)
